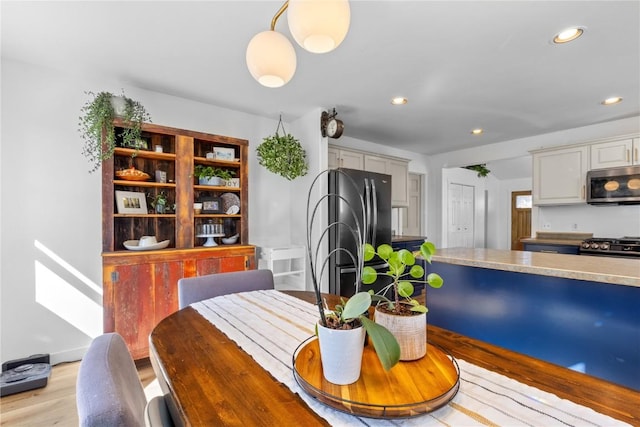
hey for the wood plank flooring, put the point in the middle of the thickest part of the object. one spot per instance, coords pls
(55, 404)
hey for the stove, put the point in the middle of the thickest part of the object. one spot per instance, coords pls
(624, 247)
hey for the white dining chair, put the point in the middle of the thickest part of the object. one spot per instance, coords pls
(194, 289)
(109, 391)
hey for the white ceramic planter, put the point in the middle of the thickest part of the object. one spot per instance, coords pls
(341, 354)
(410, 331)
(214, 180)
(119, 105)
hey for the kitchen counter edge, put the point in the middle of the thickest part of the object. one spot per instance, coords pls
(617, 271)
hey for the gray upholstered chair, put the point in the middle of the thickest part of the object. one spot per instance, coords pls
(194, 289)
(109, 391)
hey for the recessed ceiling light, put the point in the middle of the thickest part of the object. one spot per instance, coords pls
(613, 100)
(568, 35)
(477, 131)
(399, 100)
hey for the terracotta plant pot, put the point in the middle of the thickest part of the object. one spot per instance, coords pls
(341, 354)
(410, 331)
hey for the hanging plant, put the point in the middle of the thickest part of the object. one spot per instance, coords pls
(283, 154)
(97, 122)
(481, 169)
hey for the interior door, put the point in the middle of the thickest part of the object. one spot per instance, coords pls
(461, 220)
(520, 218)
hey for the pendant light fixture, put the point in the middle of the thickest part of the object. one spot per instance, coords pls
(319, 26)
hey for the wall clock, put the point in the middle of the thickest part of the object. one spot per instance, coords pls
(330, 126)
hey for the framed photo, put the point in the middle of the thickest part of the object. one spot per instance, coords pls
(211, 205)
(130, 202)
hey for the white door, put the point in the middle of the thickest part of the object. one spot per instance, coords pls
(461, 207)
(412, 215)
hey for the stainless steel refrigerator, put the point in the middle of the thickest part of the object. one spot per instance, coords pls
(375, 189)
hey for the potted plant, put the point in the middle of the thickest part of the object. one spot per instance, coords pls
(349, 315)
(209, 175)
(404, 316)
(283, 155)
(341, 335)
(96, 125)
(158, 202)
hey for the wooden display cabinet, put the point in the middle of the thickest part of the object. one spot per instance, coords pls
(140, 287)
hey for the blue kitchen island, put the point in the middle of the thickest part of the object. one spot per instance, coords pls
(576, 311)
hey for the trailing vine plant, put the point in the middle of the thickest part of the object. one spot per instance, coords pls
(97, 116)
(283, 154)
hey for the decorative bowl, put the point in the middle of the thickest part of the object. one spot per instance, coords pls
(230, 240)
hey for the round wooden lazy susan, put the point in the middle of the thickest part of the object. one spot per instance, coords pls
(409, 389)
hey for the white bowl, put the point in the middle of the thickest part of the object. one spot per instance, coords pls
(230, 240)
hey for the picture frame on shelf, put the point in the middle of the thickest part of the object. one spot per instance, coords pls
(211, 205)
(131, 202)
(223, 153)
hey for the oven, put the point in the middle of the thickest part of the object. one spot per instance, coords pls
(623, 247)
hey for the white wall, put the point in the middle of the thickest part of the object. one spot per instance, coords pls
(50, 217)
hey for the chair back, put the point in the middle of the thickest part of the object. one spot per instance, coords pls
(108, 389)
(194, 289)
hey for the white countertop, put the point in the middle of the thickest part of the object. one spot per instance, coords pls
(619, 271)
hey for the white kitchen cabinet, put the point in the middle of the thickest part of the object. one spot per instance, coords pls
(399, 171)
(396, 167)
(559, 175)
(375, 164)
(338, 158)
(625, 152)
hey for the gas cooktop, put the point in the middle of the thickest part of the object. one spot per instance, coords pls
(627, 246)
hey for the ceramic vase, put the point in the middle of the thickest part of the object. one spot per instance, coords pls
(341, 354)
(410, 331)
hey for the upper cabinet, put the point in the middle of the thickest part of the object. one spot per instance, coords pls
(339, 158)
(625, 152)
(559, 175)
(396, 167)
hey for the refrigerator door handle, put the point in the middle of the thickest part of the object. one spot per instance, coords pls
(374, 225)
(367, 204)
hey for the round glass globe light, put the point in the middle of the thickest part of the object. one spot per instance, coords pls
(271, 59)
(319, 26)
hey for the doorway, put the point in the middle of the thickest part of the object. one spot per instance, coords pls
(520, 218)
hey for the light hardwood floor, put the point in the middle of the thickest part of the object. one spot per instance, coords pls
(55, 404)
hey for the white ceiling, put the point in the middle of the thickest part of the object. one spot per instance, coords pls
(462, 65)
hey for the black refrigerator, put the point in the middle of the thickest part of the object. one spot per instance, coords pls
(348, 185)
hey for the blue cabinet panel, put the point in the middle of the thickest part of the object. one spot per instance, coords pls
(556, 249)
(588, 326)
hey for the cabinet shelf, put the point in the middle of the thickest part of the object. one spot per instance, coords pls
(217, 216)
(144, 216)
(217, 162)
(217, 188)
(125, 183)
(144, 154)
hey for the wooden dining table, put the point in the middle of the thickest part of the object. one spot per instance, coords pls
(209, 380)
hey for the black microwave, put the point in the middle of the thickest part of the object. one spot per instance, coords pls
(619, 186)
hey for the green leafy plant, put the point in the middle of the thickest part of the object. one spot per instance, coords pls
(283, 155)
(481, 169)
(159, 199)
(350, 315)
(96, 126)
(401, 281)
(207, 172)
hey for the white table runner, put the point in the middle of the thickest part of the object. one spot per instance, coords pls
(269, 326)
